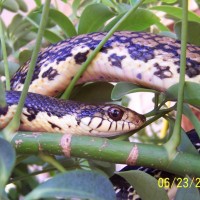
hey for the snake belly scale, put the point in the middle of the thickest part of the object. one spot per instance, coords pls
(138, 57)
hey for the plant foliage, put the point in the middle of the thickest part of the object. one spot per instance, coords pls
(89, 179)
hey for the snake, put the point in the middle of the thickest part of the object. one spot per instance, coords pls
(142, 58)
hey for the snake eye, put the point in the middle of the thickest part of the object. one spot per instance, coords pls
(115, 113)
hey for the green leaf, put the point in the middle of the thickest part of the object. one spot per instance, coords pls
(187, 190)
(7, 161)
(11, 5)
(77, 184)
(24, 39)
(93, 18)
(12, 68)
(22, 30)
(168, 34)
(148, 1)
(122, 7)
(169, 1)
(24, 56)
(133, 2)
(63, 21)
(109, 3)
(191, 93)
(51, 36)
(78, 5)
(75, 6)
(22, 5)
(125, 101)
(162, 27)
(2, 95)
(137, 21)
(15, 23)
(13, 193)
(38, 3)
(121, 89)
(193, 35)
(103, 167)
(35, 17)
(145, 185)
(190, 115)
(93, 92)
(185, 143)
(177, 12)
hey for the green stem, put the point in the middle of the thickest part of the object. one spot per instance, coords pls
(20, 178)
(174, 141)
(161, 104)
(15, 122)
(2, 95)
(53, 162)
(163, 111)
(84, 66)
(5, 58)
(156, 100)
(29, 20)
(107, 150)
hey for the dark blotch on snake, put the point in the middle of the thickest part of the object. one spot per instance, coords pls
(50, 74)
(3, 110)
(139, 76)
(31, 114)
(162, 71)
(192, 67)
(54, 125)
(116, 60)
(81, 57)
(140, 52)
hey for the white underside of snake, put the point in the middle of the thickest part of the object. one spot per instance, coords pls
(138, 57)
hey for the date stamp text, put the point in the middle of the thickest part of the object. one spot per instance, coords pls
(179, 182)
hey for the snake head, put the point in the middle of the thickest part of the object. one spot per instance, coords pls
(109, 120)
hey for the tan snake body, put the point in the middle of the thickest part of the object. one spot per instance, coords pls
(138, 57)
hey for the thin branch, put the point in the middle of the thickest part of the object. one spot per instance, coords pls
(5, 57)
(52, 161)
(174, 141)
(107, 150)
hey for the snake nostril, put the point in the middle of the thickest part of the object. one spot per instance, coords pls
(140, 118)
(137, 121)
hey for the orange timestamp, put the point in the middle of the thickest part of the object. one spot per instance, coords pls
(179, 182)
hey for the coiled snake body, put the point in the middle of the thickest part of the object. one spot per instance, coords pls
(142, 58)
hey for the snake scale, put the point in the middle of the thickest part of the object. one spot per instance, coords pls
(143, 58)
